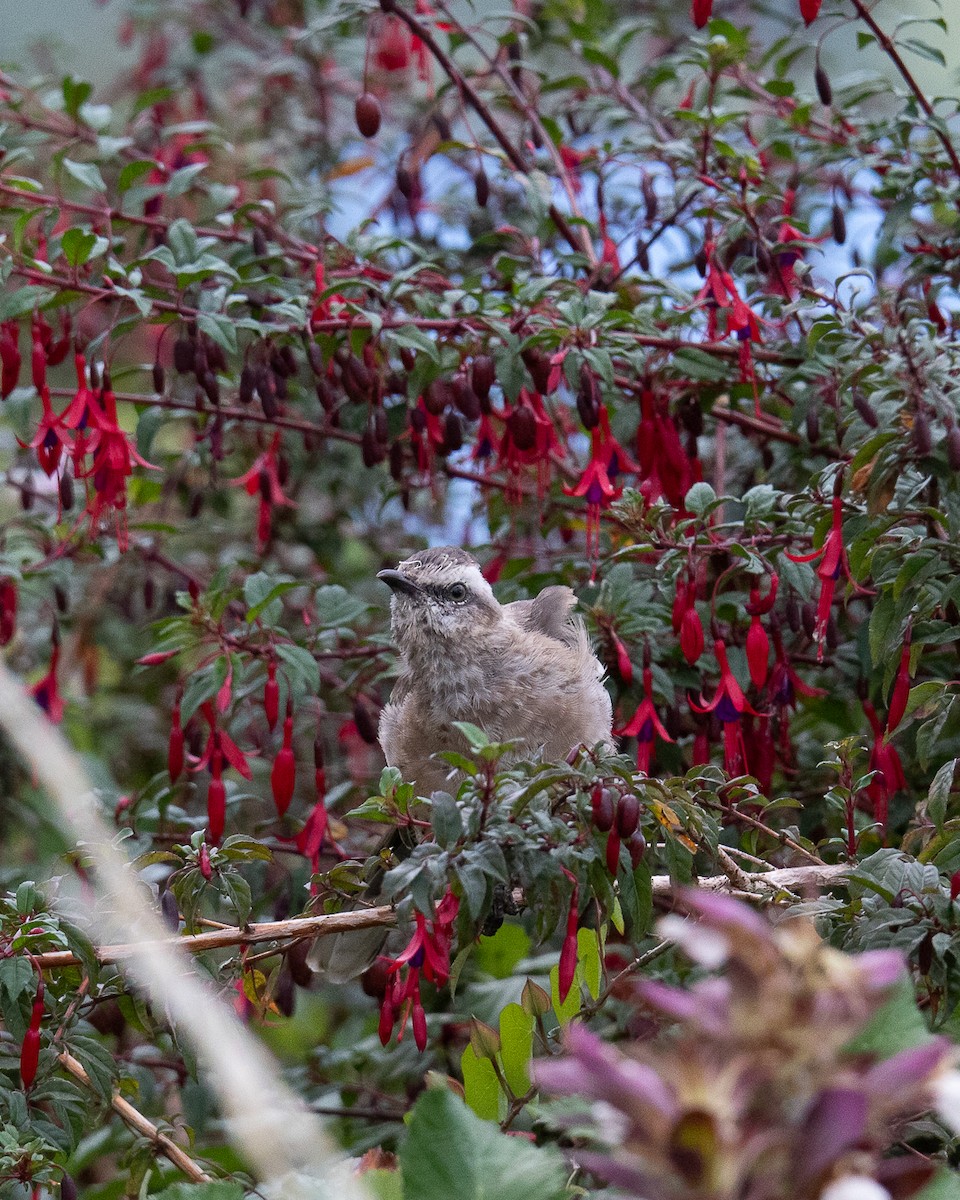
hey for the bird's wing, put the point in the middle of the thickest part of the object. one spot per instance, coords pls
(549, 613)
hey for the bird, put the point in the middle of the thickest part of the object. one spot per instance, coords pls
(524, 673)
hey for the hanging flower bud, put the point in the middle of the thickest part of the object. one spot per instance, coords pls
(568, 954)
(624, 665)
(602, 807)
(901, 686)
(216, 797)
(8, 610)
(809, 10)
(691, 635)
(30, 1050)
(9, 358)
(283, 777)
(613, 851)
(700, 11)
(203, 861)
(955, 885)
(758, 649)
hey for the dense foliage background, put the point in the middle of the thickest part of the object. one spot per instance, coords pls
(661, 305)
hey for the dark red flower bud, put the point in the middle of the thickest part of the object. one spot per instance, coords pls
(368, 115)
(691, 635)
(203, 861)
(602, 804)
(283, 777)
(901, 687)
(613, 851)
(700, 11)
(758, 652)
(30, 1050)
(955, 885)
(809, 9)
(628, 815)
(636, 848)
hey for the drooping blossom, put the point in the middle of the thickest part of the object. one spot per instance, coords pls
(597, 484)
(8, 610)
(758, 643)
(719, 294)
(665, 469)
(529, 439)
(729, 704)
(264, 478)
(427, 953)
(46, 691)
(686, 620)
(644, 724)
(885, 762)
(700, 11)
(833, 562)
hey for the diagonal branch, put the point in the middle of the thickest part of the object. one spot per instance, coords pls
(140, 1124)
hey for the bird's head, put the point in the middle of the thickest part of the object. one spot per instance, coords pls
(439, 593)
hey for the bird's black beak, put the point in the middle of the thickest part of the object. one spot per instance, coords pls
(398, 582)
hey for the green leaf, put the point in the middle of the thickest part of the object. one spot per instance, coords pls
(77, 246)
(134, 171)
(898, 1025)
(945, 1185)
(445, 820)
(700, 499)
(451, 1153)
(97, 1061)
(86, 173)
(481, 1088)
(219, 1189)
(516, 1047)
(938, 797)
(22, 301)
(588, 959)
(304, 672)
(75, 93)
(500, 954)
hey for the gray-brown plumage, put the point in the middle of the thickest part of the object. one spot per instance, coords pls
(521, 671)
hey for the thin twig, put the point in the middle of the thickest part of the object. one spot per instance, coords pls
(886, 44)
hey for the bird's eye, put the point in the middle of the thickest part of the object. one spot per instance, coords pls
(457, 591)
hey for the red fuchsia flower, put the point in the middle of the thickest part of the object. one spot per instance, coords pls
(901, 685)
(391, 46)
(758, 644)
(567, 967)
(8, 610)
(112, 462)
(686, 620)
(323, 305)
(720, 295)
(885, 761)
(573, 161)
(9, 357)
(610, 256)
(785, 683)
(30, 1050)
(809, 10)
(221, 741)
(50, 439)
(729, 704)
(529, 439)
(665, 468)
(264, 477)
(283, 777)
(428, 951)
(833, 562)
(700, 10)
(608, 459)
(46, 691)
(216, 795)
(644, 724)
